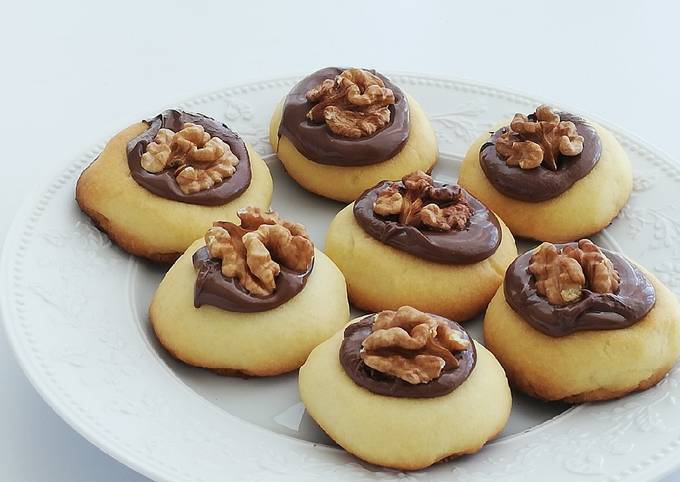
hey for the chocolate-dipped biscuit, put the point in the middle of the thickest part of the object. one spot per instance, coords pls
(578, 323)
(550, 176)
(165, 183)
(251, 298)
(318, 143)
(420, 243)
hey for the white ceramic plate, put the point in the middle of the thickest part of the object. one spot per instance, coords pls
(75, 311)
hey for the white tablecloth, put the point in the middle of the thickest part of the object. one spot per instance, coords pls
(75, 72)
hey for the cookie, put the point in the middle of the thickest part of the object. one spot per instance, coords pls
(597, 346)
(255, 320)
(389, 262)
(408, 425)
(330, 155)
(147, 213)
(560, 197)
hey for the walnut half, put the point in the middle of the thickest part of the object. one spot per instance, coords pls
(412, 345)
(598, 269)
(530, 143)
(354, 104)
(254, 252)
(562, 275)
(421, 204)
(200, 161)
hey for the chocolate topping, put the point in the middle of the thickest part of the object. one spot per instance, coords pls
(383, 384)
(475, 243)
(594, 311)
(317, 143)
(541, 184)
(213, 288)
(164, 184)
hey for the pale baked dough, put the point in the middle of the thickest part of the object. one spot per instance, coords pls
(148, 225)
(264, 343)
(584, 209)
(347, 183)
(404, 433)
(586, 365)
(380, 277)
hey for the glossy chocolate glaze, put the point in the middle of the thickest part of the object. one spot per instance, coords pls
(594, 311)
(163, 183)
(479, 241)
(383, 384)
(213, 288)
(541, 184)
(317, 143)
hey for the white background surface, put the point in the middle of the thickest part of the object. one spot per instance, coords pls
(73, 73)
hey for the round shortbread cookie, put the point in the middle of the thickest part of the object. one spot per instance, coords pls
(148, 225)
(584, 209)
(260, 344)
(346, 183)
(586, 365)
(404, 433)
(380, 277)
